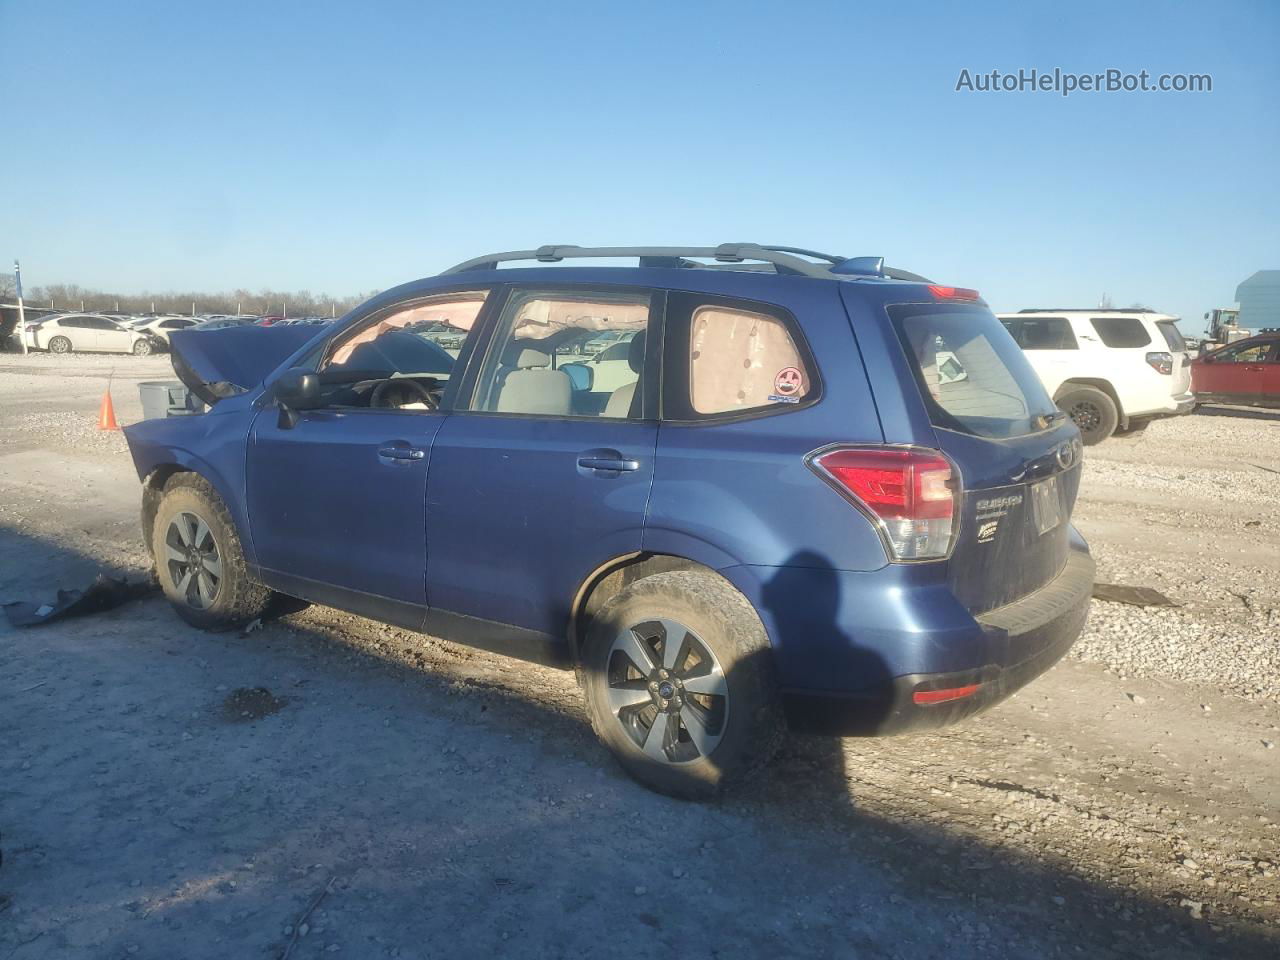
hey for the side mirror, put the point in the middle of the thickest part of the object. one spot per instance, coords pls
(294, 390)
(582, 376)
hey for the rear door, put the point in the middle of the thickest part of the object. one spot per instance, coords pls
(1017, 455)
(1270, 395)
(540, 478)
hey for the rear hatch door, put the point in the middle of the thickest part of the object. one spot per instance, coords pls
(1017, 455)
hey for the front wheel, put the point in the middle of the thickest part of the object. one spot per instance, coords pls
(142, 348)
(199, 559)
(1093, 411)
(679, 684)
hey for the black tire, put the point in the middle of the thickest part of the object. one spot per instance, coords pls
(59, 345)
(142, 348)
(1134, 430)
(1092, 410)
(744, 726)
(234, 599)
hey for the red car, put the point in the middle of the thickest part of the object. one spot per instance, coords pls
(1247, 371)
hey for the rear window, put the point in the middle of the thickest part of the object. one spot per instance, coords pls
(1172, 335)
(972, 375)
(1121, 331)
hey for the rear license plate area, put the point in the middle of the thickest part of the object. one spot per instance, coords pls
(1046, 505)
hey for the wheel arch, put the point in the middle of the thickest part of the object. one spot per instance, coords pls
(614, 576)
(1099, 384)
(177, 463)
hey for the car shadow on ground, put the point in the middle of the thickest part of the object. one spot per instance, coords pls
(447, 809)
(1245, 413)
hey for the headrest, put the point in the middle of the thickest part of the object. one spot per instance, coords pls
(518, 355)
(635, 353)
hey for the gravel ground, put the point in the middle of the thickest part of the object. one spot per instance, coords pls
(1193, 510)
(165, 792)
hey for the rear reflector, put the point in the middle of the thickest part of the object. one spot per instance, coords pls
(925, 697)
(909, 493)
(953, 293)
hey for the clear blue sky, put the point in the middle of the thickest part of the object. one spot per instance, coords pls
(343, 147)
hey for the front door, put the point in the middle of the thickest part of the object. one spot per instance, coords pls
(337, 495)
(1234, 374)
(546, 475)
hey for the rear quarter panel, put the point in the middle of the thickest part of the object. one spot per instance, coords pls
(738, 492)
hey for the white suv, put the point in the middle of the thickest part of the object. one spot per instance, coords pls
(1112, 371)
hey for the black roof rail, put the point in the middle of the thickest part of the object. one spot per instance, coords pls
(1088, 310)
(786, 260)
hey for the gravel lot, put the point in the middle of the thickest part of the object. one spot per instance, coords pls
(438, 800)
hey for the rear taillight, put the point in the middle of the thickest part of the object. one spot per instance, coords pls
(910, 494)
(953, 293)
(1161, 362)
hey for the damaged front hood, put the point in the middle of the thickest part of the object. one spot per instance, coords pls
(222, 363)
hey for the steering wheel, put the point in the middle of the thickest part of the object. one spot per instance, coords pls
(380, 397)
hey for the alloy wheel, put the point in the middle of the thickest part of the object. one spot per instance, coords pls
(667, 690)
(1086, 415)
(195, 566)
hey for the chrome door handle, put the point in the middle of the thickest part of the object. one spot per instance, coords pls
(401, 453)
(619, 465)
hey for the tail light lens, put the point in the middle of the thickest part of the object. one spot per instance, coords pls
(910, 494)
(1161, 362)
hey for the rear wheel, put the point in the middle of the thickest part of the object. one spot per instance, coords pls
(679, 684)
(199, 559)
(142, 348)
(59, 345)
(1092, 410)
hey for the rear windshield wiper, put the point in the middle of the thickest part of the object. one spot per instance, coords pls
(1046, 420)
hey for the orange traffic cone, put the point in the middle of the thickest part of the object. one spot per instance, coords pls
(107, 412)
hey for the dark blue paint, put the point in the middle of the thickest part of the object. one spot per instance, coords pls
(500, 521)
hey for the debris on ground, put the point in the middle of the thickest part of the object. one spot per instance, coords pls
(251, 703)
(1135, 596)
(105, 593)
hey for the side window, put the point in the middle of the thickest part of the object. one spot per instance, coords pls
(397, 357)
(1256, 353)
(76, 323)
(1047, 333)
(727, 358)
(567, 353)
(1121, 331)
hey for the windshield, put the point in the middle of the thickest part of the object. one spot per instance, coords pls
(972, 375)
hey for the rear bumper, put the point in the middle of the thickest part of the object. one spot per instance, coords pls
(1175, 406)
(1023, 640)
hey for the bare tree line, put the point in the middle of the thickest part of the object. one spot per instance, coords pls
(293, 303)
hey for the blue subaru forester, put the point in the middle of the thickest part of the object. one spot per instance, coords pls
(737, 488)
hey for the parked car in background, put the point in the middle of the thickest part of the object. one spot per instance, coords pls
(161, 327)
(1246, 372)
(89, 333)
(223, 323)
(1111, 371)
(771, 521)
